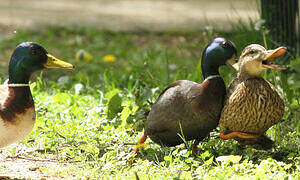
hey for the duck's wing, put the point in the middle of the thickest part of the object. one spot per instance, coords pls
(166, 114)
(174, 84)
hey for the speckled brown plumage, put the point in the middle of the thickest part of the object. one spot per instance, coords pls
(252, 106)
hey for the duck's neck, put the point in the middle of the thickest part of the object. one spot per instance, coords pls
(19, 98)
(17, 73)
(243, 75)
(209, 70)
(19, 90)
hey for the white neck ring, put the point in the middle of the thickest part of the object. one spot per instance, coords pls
(213, 76)
(15, 85)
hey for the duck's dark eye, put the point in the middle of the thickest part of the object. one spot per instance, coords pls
(33, 51)
(251, 52)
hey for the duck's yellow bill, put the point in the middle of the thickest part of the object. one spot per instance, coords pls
(53, 62)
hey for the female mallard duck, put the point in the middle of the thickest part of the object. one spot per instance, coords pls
(17, 113)
(186, 109)
(252, 104)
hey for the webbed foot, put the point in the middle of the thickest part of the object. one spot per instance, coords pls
(237, 134)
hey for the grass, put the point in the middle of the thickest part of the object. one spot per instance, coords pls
(89, 117)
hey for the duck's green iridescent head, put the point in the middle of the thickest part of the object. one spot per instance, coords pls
(216, 54)
(29, 57)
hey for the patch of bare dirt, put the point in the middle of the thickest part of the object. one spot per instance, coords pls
(17, 162)
(127, 15)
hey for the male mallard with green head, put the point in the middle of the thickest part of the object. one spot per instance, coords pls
(190, 110)
(252, 104)
(17, 112)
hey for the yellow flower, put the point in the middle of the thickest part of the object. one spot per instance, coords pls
(109, 58)
(83, 55)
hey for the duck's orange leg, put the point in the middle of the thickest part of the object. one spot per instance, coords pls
(196, 142)
(241, 135)
(141, 141)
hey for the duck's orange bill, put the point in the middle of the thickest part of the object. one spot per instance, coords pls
(271, 55)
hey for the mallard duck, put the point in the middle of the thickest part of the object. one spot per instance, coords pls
(252, 104)
(189, 110)
(17, 112)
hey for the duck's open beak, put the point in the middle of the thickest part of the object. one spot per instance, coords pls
(53, 62)
(271, 55)
(232, 62)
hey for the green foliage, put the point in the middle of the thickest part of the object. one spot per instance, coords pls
(90, 117)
